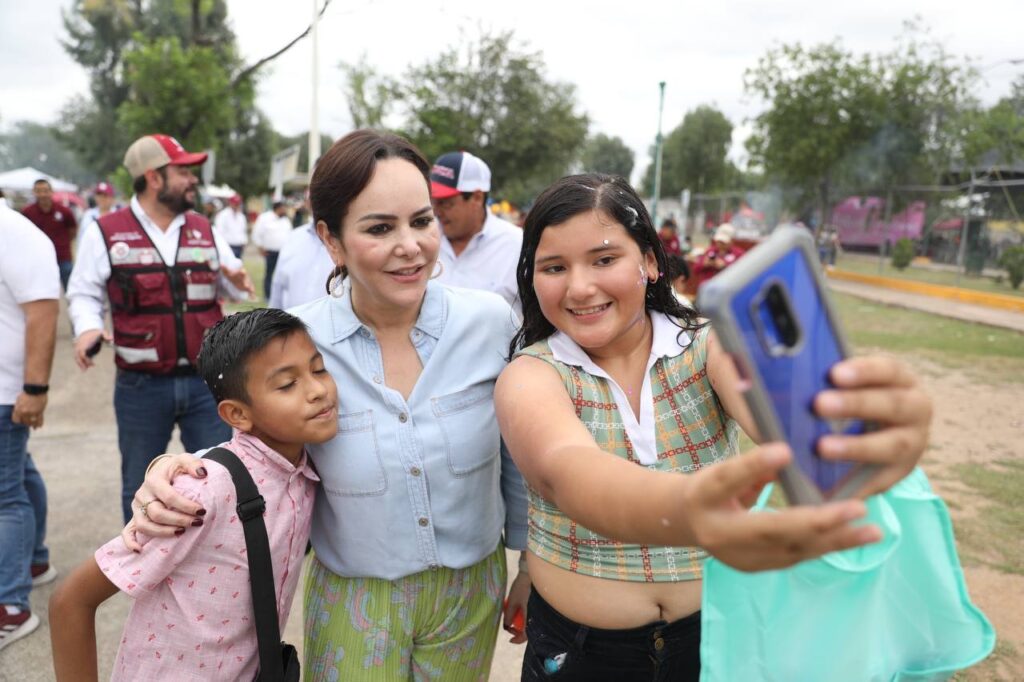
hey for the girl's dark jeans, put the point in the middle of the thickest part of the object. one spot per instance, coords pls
(561, 649)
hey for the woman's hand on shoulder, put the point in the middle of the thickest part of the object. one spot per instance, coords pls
(158, 510)
(883, 391)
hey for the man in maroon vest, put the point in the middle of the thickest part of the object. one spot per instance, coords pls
(162, 269)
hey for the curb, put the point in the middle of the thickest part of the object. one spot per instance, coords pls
(1000, 301)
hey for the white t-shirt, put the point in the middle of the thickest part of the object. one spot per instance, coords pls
(28, 272)
(271, 231)
(302, 269)
(232, 225)
(488, 262)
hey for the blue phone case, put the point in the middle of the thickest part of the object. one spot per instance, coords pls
(786, 363)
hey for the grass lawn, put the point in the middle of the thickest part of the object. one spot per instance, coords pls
(868, 265)
(990, 352)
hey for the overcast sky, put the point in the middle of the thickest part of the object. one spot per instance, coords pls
(614, 52)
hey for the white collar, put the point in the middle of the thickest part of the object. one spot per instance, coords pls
(667, 341)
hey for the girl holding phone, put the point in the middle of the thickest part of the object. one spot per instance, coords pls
(613, 387)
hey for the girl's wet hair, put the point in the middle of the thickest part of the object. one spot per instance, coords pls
(346, 169)
(613, 196)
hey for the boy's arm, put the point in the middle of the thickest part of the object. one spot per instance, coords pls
(73, 622)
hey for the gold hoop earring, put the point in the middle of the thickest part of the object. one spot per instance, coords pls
(438, 272)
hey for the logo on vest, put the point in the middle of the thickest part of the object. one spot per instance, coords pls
(195, 234)
(119, 250)
(199, 255)
(125, 236)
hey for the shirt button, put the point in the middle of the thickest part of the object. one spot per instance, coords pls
(403, 417)
(659, 644)
(376, 378)
(415, 471)
(424, 521)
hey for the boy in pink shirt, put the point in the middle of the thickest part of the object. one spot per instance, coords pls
(192, 618)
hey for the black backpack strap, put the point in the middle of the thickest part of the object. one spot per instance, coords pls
(261, 573)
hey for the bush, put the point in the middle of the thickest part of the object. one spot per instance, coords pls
(902, 254)
(1013, 260)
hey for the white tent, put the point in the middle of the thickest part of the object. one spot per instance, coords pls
(21, 180)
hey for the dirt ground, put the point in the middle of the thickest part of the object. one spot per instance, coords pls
(976, 420)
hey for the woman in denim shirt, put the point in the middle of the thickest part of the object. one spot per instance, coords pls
(409, 574)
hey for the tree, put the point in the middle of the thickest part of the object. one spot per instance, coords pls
(605, 154)
(142, 57)
(835, 119)
(496, 102)
(37, 145)
(694, 155)
(371, 96)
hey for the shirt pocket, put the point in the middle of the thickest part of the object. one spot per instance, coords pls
(469, 428)
(361, 472)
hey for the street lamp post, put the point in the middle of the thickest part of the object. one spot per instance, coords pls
(657, 158)
(314, 122)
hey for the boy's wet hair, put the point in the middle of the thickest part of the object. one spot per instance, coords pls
(228, 345)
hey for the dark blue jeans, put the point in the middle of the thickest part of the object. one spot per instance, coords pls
(22, 513)
(147, 407)
(65, 267)
(560, 649)
(268, 274)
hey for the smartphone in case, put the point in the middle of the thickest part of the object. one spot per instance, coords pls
(771, 314)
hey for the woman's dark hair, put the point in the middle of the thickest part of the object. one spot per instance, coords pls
(569, 197)
(345, 171)
(677, 266)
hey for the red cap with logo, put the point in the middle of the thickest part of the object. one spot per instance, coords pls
(156, 151)
(105, 189)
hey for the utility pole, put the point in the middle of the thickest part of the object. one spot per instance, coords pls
(963, 231)
(657, 159)
(314, 122)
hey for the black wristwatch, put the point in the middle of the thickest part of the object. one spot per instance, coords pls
(35, 389)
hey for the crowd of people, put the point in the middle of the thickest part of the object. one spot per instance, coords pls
(444, 386)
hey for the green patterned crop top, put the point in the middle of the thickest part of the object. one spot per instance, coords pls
(691, 431)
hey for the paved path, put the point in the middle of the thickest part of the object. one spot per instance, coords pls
(939, 306)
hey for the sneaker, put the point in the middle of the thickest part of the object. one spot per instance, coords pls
(14, 626)
(43, 574)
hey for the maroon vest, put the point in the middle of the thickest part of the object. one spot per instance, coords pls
(160, 311)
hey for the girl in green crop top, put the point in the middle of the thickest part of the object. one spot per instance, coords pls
(614, 389)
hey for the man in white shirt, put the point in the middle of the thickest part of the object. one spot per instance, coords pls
(161, 267)
(232, 224)
(303, 267)
(29, 294)
(270, 233)
(478, 249)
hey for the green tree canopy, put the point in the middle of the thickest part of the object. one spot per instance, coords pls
(605, 154)
(694, 155)
(490, 99)
(859, 122)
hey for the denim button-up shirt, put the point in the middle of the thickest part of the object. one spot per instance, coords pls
(414, 484)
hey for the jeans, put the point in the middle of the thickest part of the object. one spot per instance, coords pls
(560, 649)
(237, 249)
(268, 275)
(22, 513)
(147, 406)
(65, 267)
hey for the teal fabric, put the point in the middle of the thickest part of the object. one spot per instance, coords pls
(895, 611)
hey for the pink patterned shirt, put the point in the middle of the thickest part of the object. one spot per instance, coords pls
(192, 615)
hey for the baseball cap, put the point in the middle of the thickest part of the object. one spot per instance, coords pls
(235, 200)
(156, 151)
(457, 172)
(105, 189)
(724, 233)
